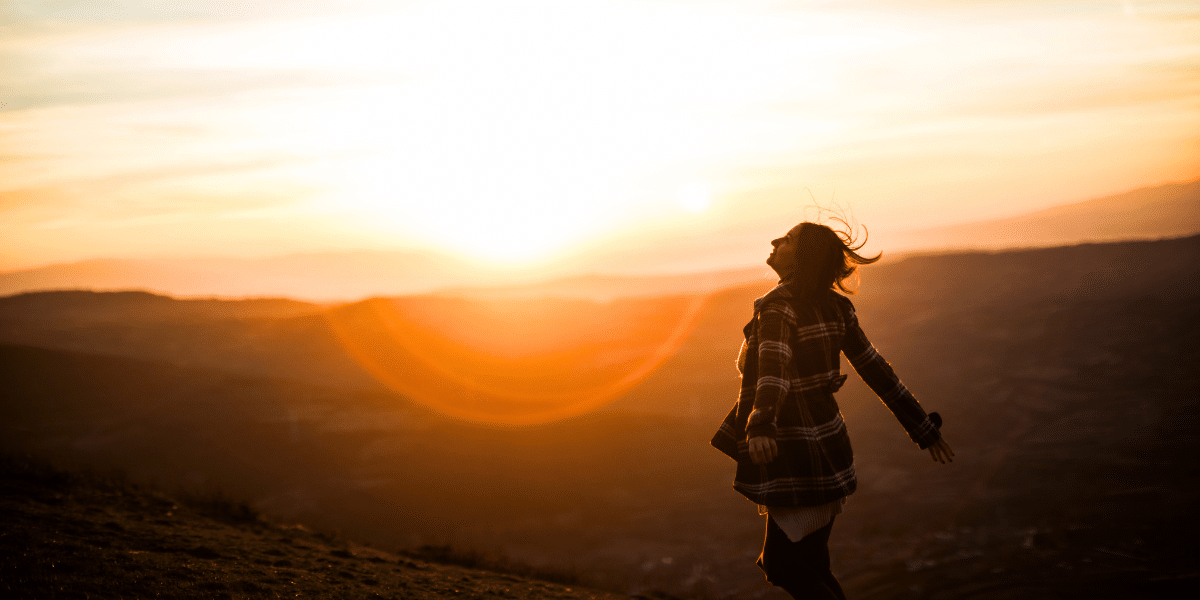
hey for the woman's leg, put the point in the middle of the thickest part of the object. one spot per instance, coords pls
(800, 568)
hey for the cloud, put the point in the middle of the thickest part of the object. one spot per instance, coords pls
(193, 190)
(118, 11)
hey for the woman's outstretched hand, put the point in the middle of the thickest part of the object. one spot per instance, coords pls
(939, 450)
(763, 449)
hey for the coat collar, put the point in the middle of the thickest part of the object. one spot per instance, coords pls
(779, 291)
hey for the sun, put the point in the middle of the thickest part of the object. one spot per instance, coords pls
(509, 208)
(693, 197)
(506, 141)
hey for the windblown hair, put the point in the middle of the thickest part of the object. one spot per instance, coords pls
(825, 258)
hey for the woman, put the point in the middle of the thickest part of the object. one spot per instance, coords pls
(786, 432)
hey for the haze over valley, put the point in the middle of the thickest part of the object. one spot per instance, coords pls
(1164, 211)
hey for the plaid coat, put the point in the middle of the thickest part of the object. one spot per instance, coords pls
(790, 374)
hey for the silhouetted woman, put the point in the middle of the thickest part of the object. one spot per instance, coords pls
(786, 432)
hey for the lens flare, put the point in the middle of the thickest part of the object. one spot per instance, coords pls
(514, 362)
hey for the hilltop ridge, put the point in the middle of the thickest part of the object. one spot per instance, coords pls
(1148, 213)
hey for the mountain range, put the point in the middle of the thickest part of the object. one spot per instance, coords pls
(1164, 211)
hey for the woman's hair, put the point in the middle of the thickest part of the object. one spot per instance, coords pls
(826, 257)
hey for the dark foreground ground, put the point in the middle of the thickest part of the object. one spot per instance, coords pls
(77, 535)
(70, 535)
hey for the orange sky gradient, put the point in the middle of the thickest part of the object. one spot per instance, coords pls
(530, 132)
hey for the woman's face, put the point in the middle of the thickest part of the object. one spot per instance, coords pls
(783, 257)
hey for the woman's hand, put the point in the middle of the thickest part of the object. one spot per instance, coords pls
(763, 449)
(939, 450)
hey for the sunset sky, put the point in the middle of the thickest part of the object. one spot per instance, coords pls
(533, 131)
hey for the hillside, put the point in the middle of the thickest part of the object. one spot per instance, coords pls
(1158, 212)
(1066, 377)
(289, 340)
(262, 337)
(73, 535)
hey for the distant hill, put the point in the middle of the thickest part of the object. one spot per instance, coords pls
(898, 302)
(261, 337)
(349, 276)
(294, 340)
(1151, 213)
(1165, 211)
(321, 276)
(138, 307)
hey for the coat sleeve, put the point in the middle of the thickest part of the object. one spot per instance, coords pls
(880, 377)
(774, 325)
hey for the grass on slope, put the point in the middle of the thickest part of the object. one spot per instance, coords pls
(76, 535)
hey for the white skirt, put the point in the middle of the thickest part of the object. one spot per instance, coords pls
(799, 521)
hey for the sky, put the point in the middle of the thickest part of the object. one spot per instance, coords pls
(530, 132)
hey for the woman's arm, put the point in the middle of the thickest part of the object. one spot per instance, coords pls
(880, 377)
(773, 328)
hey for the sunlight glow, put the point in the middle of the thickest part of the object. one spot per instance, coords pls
(523, 129)
(694, 197)
(530, 131)
(509, 131)
(502, 363)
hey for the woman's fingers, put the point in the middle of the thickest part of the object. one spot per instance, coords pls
(762, 449)
(941, 452)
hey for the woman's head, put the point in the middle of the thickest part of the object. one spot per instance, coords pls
(814, 257)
